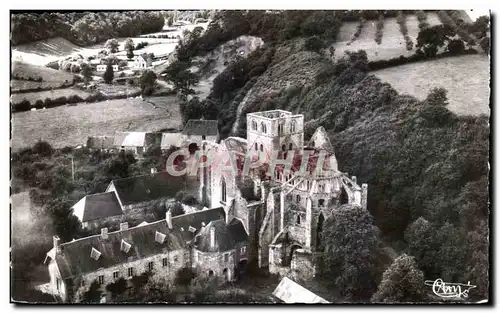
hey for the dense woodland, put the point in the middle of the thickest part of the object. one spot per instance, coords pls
(427, 169)
(83, 28)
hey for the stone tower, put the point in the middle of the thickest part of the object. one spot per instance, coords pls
(273, 131)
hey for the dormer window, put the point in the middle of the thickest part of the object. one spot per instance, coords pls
(94, 254)
(125, 247)
(160, 237)
(192, 229)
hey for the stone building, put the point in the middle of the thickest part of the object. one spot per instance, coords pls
(96, 209)
(137, 142)
(207, 241)
(195, 131)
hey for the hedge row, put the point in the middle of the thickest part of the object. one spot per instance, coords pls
(401, 19)
(359, 28)
(26, 105)
(464, 34)
(380, 28)
(422, 19)
(419, 56)
(31, 79)
(37, 89)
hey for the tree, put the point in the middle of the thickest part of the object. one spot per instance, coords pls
(437, 96)
(86, 72)
(147, 81)
(314, 44)
(92, 295)
(117, 288)
(401, 282)
(130, 54)
(430, 39)
(66, 224)
(456, 46)
(129, 45)
(181, 77)
(108, 74)
(112, 45)
(184, 276)
(170, 21)
(353, 259)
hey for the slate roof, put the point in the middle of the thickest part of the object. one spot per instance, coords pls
(201, 127)
(171, 139)
(74, 258)
(227, 236)
(149, 187)
(97, 206)
(196, 220)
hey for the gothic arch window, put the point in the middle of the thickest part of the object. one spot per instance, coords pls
(344, 198)
(223, 190)
(256, 147)
(312, 144)
(261, 147)
(292, 126)
(321, 202)
(254, 125)
(319, 230)
(290, 146)
(263, 127)
(283, 147)
(298, 219)
(280, 128)
(297, 198)
(321, 187)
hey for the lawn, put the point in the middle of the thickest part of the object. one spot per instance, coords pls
(393, 43)
(71, 125)
(466, 78)
(52, 94)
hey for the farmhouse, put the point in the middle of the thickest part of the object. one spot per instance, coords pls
(93, 210)
(205, 241)
(195, 131)
(137, 142)
(140, 62)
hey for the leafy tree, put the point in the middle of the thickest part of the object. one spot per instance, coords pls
(117, 288)
(93, 294)
(130, 54)
(108, 74)
(112, 45)
(437, 97)
(430, 39)
(129, 45)
(170, 21)
(456, 46)
(314, 43)
(65, 223)
(86, 72)
(139, 281)
(179, 74)
(147, 81)
(184, 276)
(401, 282)
(352, 252)
(43, 148)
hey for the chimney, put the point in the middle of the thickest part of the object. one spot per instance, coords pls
(57, 241)
(353, 178)
(124, 226)
(104, 233)
(168, 217)
(212, 238)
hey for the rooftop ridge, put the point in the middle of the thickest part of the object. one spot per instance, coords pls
(217, 208)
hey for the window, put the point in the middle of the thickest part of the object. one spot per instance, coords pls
(254, 125)
(321, 202)
(58, 283)
(243, 249)
(101, 279)
(125, 247)
(165, 262)
(321, 188)
(290, 146)
(283, 147)
(280, 128)
(130, 271)
(94, 254)
(150, 266)
(261, 147)
(298, 219)
(256, 147)
(312, 144)
(292, 126)
(223, 190)
(116, 274)
(160, 237)
(226, 257)
(297, 198)
(263, 127)
(203, 137)
(176, 258)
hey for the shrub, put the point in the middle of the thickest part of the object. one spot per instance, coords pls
(141, 45)
(39, 104)
(422, 19)
(401, 19)
(48, 102)
(361, 24)
(74, 99)
(24, 105)
(314, 44)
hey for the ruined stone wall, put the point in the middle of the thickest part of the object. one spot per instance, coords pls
(204, 262)
(302, 265)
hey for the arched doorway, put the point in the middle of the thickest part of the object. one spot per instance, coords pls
(319, 231)
(210, 273)
(242, 268)
(225, 272)
(344, 197)
(293, 248)
(193, 147)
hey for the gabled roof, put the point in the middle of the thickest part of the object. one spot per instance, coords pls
(74, 258)
(201, 127)
(130, 139)
(147, 187)
(140, 58)
(289, 291)
(321, 140)
(227, 236)
(196, 220)
(97, 206)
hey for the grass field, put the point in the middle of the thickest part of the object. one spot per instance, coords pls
(465, 77)
(393, 43)
(52, 94)
(71, 125)
(50, 77)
